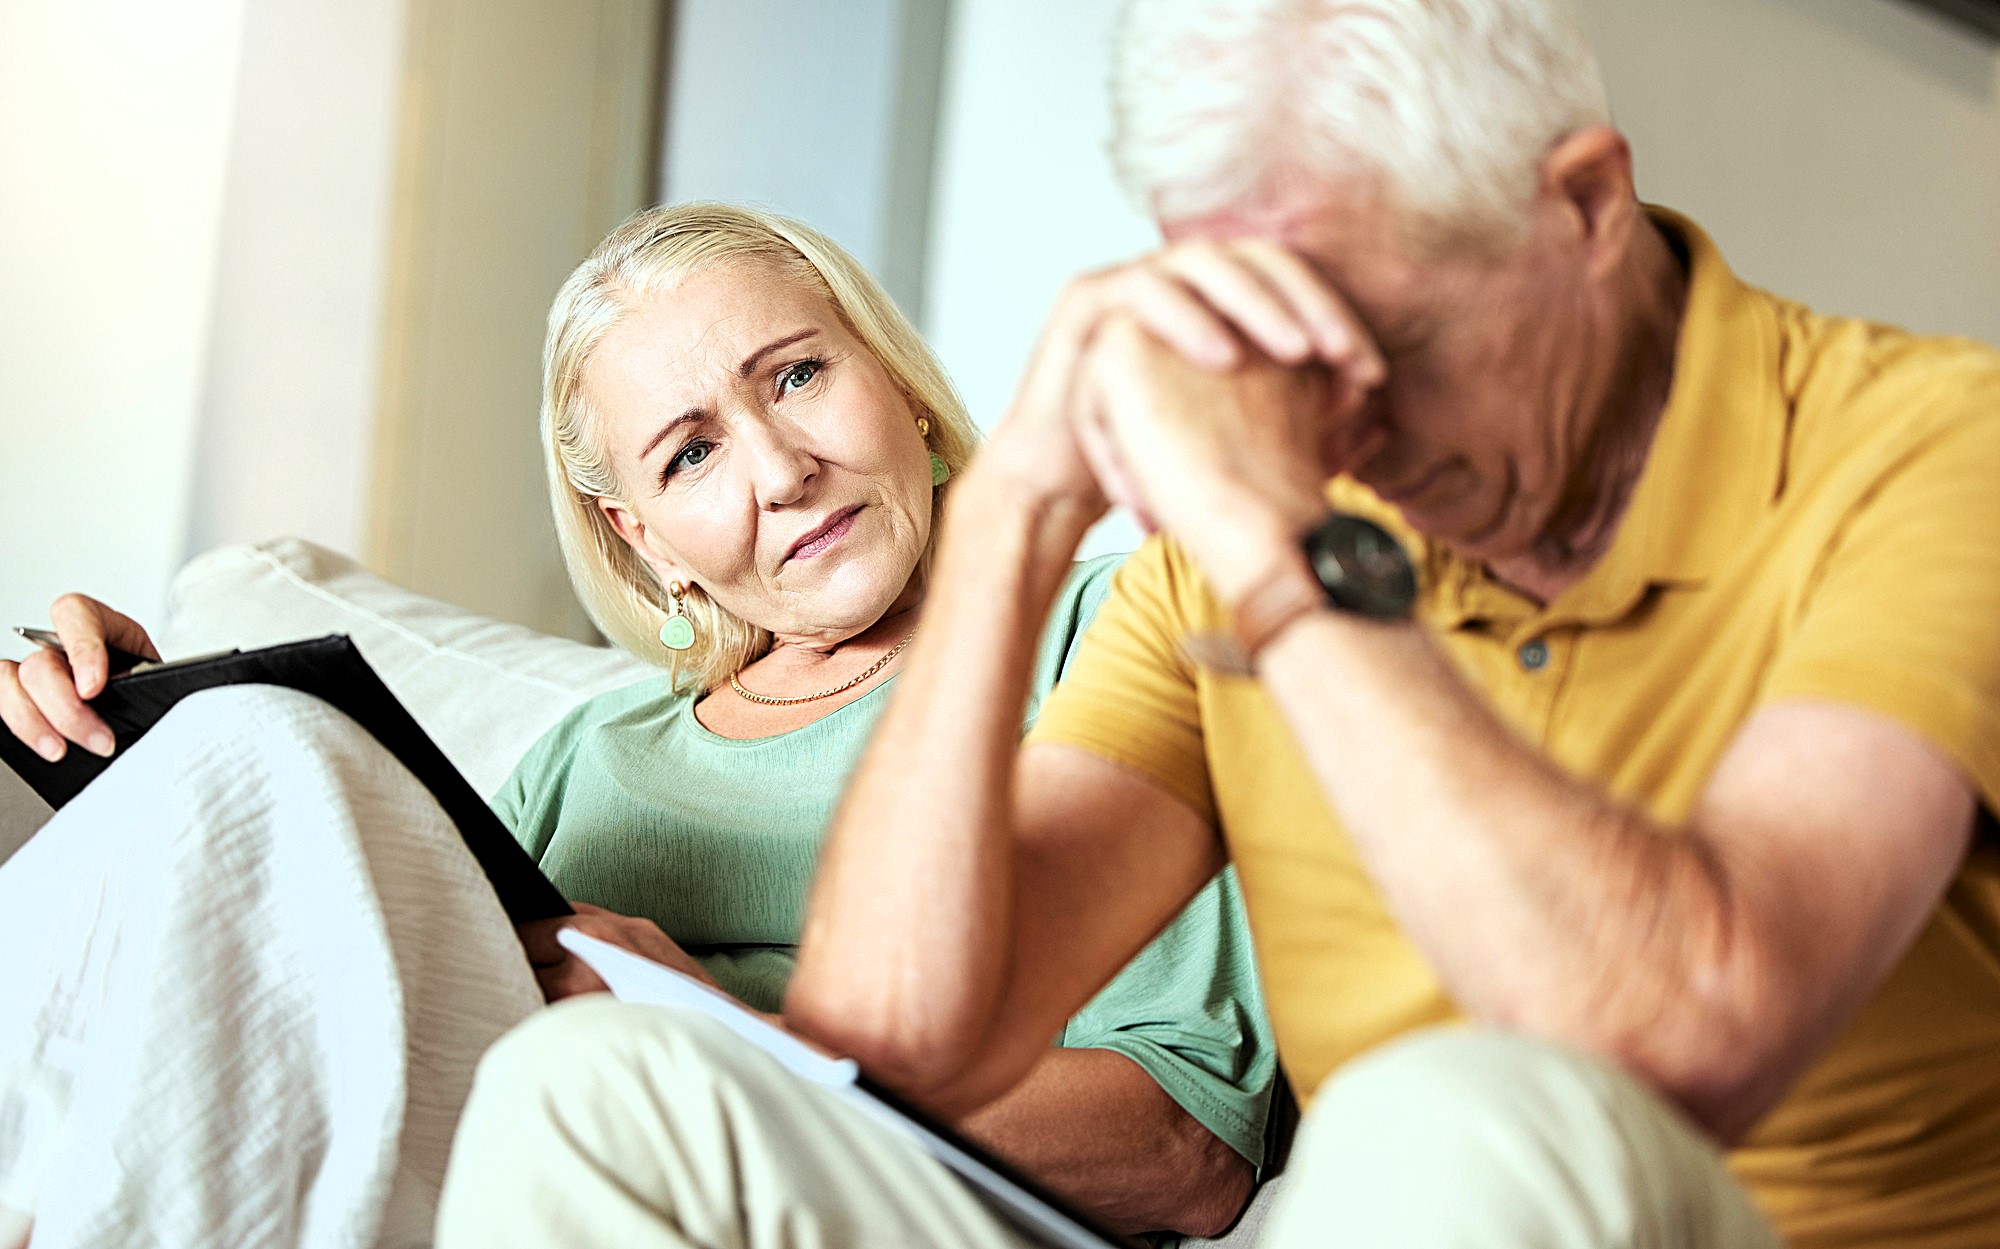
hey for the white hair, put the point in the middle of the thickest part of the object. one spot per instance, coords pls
(1449, 104)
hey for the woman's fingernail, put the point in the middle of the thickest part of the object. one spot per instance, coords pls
(101, 744)
(50, 748)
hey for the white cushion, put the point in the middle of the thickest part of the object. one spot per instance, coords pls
(483, 689)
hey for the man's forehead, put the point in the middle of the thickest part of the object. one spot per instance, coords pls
(1250, 220)
(1315, 217)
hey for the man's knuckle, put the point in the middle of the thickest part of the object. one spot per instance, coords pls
(1091, 288)
(1266, 250)
(1120, 286)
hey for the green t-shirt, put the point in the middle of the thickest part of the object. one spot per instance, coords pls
(631, 804)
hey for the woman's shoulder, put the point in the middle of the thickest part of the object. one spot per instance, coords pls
(627, 708)
(1089, 581)
(1082, 593)
(643, 705)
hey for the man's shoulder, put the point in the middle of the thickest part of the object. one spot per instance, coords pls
(1862, 396)
(1163, 579)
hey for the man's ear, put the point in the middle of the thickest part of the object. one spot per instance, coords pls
(1587, 177)
(632, 531)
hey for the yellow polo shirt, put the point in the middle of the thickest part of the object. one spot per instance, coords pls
(1819, 518)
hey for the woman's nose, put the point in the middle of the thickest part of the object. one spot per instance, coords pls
(782, 470)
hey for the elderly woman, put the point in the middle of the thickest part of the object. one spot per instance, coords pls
(747, 450)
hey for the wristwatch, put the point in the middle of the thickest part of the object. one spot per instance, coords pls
(1355, 565)
(1362, 567)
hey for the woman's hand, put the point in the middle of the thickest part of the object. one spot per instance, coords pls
(43, 698)
(562, 974)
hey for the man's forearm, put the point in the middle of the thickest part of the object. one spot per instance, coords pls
(904, 954)
(1541, 904)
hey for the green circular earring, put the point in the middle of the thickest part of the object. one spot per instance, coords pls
(940, 471)
(677, 633)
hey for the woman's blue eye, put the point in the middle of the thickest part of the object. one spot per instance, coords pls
(690, 456)
(798, 375)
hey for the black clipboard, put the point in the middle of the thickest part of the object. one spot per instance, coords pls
(330, 669)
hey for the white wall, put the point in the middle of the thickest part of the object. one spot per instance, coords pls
(1842, 152)
(820, 111)
(114, 124)
(1024, 197)
(528, 135)
(199, 232)
(1846, 152)
(193, 240)
(293, 362)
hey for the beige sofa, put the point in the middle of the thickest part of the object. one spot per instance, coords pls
(483, 690)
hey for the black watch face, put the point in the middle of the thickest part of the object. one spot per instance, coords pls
(1363, 567)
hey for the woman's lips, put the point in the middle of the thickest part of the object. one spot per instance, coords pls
(816, 542)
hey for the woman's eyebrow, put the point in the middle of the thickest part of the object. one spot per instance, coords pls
(744, 369)
(692, 414)
(749, 364)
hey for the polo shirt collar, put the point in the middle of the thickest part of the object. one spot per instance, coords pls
(1715, 465)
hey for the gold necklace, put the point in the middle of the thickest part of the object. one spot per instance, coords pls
(769, 701)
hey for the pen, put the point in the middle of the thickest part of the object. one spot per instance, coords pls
(121, 662)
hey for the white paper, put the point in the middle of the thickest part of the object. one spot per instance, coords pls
(635, 978)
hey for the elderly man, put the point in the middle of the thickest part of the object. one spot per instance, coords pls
(1657, 773)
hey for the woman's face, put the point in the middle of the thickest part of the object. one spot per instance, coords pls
(763, 453)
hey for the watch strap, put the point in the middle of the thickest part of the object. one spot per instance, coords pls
(1286, 593)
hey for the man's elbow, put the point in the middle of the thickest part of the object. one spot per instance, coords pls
(1724, 1093)
(1725, 1048)
(916, 1062)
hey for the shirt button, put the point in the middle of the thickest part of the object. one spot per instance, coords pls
(1534, 655)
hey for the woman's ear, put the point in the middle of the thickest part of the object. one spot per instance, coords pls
(632, 531)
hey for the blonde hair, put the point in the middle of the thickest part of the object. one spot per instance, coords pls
(1452, 104)
(643, 259)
